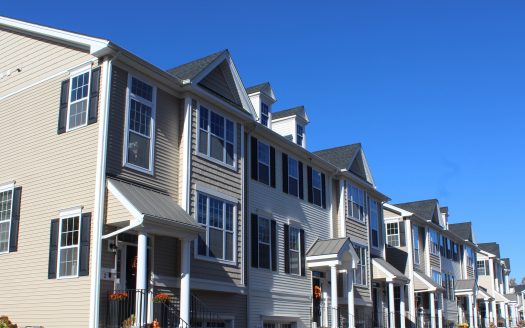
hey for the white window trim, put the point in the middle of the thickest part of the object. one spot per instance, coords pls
(297, 134)
(267, 115)
(320, 187)
(367, 257)
(73, 74)
(395, 234)
(64, 214)
(434, 250)
(378, 246)
(415, 246)
(436, 270)
(264, 243)
(226, 199)
(4, 188)
(349, 200)
(153, 104)
(197, 137)
(298, 251)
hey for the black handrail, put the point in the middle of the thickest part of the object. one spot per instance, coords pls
(199, 312)
(127, 308)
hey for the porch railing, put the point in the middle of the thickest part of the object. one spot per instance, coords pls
(200, 313)
(127, 308)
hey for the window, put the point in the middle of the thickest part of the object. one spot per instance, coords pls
(444, 284)
(455, 254)
(294, 250)
(360, 272)
(140, 125)
(483, 268)
(451, 287)
(299, 135)
(356, 203)
(68, 245)
(436, 276)
(293, 176)
(392, 234)
(6, 210)
(470, 257)
(443, 246)
(216, 136)
(264, 114)
(374, 222)
(449, 249)
(217, 216)
(434, 241)
(317, 188)
(78, 100)
(415, 243)
(264, 230)
(263, 157)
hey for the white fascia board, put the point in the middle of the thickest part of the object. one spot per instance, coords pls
(323, 264)
(97, 47)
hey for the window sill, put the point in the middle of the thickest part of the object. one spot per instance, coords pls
(138, 169)
(356, 220)
(67, 277)
(215, 260)
(216, 161)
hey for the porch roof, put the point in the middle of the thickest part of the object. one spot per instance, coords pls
(331, 252)
(500, 298)
(422, 283)
(386, 271)
(484, 295)
(465, 286)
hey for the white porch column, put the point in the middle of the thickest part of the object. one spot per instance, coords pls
(141, 283)
(432, 310)
(513, 315)
(440, 310)
(506, 314)
(391, 305)
(487, 313)
(333, 295)
(470, 311)
(494, 313)
(185, 280)
(476, 311)
(402, 310)
(412, 311)
(350, 296)
(460, 313)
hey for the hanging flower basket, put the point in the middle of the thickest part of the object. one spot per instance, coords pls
(161, 298)
(118, 296)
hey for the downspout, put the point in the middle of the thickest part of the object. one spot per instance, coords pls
(100, 195)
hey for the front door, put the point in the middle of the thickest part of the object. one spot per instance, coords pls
(131, 267)
(317, 298)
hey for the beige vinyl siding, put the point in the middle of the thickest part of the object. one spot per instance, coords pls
(167, 256)
(167, 139)
(221, 82)
(116, 213)
(226, 305)
(55, 172)
(224, 180)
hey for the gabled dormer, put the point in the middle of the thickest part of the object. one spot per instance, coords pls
(262, 98)
(291, 124)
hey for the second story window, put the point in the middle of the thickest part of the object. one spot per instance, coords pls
(216, 136)
(392, 234)
(415, 244)
(436, 276)
(78, 101)
(374, 222)
(455, 252)
(360, 272)
(218, 218)
(470, 257)
(356, 203)
(140, 126)
(434, 241)
(299, 135)
(316, 187)
(262, 162)
(264, 243)
(483, 268)
(292, 176)
(264, 114)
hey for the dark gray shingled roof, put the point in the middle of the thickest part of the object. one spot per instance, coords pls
(257, 88)
(299, 111)
(512, 297)
(422, 208)
(463, 230)
(492, 248)
(154, 204)
(466, 284)
(507, 262)
(339, 156)
(326, 247)
(519, 288)
(189, 70)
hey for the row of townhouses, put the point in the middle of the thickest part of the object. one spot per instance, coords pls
(132, 196)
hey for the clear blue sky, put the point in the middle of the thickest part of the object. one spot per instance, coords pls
(435, 90)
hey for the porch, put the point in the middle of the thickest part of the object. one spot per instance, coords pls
(465, 292)
(428, 302)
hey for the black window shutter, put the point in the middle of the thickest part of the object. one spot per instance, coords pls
(286, 250)
(15, 220)
(309, 185)
(255, 241)
(323, 186)
(85, 233)
(303, 252)
(62, 111)
(272, 166)
(285, 173)
(53, 249)
(255, 164)
(93, 95)
(301, 181)
(402, 237)
(274, 245)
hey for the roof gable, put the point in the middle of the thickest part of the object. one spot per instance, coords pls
(425, 209)
(463, 230)
(264, 88)
(492, 248)
(351, 158)
(221, 82)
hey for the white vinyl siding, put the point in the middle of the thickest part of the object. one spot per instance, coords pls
(140, 125)
(6, 211)
(78, 100)
(216, 138)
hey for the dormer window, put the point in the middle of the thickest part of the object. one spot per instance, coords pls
(299, 135)
(264, 114)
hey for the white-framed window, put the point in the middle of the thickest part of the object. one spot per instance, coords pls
(299, 135)
(444, 284)
(264, 114)
(293, 176)
(265, 243)
(451, 287)
(294, 250)
(263, 162)
(470, 257)
(69, 243)
(360, 272)
(317, 187)
(415, 243)
(6, 213)
(392, 234)
(77, 111)
(140, 125)
(434, 241)
(356, 203)
(216, 136)
(483, 267)
(374, 222)
(436, 276)
(217, 216)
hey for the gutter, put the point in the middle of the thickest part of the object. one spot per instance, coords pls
(100, 195)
